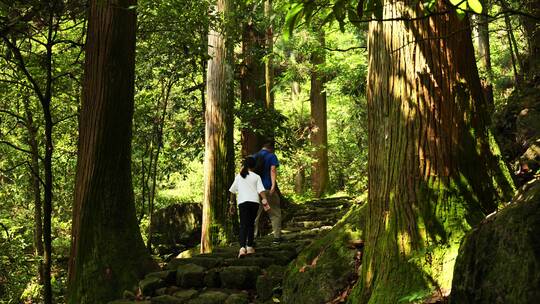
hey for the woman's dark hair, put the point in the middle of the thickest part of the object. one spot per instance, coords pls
(249, 163)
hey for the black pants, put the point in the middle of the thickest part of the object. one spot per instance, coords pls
(248, 213)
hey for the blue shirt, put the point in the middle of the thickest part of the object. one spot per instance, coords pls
(270, 159)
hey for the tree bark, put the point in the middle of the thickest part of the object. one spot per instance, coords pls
(36, 186)
(432, 174)
(484, 53)
(269, 64)
(253, 86)
(319, 136)
(107, 254)
(219, 150)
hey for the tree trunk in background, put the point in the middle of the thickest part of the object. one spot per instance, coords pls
(319, 136)
(269, 65)
(253, 86)
(300, 175)
(482, 22)
(36, 186)
(432, 174)
(108, 254)
(217, 226)
(532, 34)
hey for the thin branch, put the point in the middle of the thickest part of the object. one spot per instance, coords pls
(12, 114)
(15, 147)
(345, 50)
(7, 231)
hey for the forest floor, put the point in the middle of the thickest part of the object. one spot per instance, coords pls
(221, 277)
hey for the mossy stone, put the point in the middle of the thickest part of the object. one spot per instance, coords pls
(149, 285)
(166, 299)
(237, 298)
(185, 295)
(239, 277)
(190, 275)
(168, 276)
(210, 297)
(211, 279)
(499, 261)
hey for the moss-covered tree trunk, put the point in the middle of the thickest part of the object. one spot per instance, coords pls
(253, 86)
(219, 150)
(108, 253)
(432, 174)
(319, 134)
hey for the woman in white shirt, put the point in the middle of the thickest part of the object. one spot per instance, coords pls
(247, 186)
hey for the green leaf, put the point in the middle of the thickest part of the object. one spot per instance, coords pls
(475, 5)
(292, 17)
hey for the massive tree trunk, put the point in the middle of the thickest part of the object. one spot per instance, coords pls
(253, 87)
(219, 151)
(108, 253)
(432, 174)
(319, 136)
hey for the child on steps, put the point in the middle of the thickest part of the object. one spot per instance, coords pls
(247, 186)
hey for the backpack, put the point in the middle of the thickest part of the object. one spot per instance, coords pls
(259, 164)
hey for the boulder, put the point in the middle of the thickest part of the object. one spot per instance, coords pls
(499, 261)
(176, 226)
(168, 276)
(268, 281)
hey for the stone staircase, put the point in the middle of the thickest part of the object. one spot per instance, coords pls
(222, 278)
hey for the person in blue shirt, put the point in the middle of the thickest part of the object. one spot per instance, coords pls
(269, 180)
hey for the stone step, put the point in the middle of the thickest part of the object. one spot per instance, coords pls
(222, 278)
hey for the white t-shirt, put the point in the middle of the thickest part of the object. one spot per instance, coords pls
(247, 189)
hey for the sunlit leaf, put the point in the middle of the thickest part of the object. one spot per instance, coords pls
(475, 5)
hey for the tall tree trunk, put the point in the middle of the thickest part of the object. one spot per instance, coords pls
(269, 64)
(430, 166)
(253, 86)
(107, 253)
(300, 175)
(319, 136)
(164, 103)
(36, 186)
(219, 150)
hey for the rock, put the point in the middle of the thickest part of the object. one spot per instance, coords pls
(176, 226)
(265, 287)
(168, 276)
(239, 277)
(129, 302)
(128, 295)
(149, 285)
(190, 275)
(211, 279)
(237, 298)
(210, 297)
(499, 261)
(261, 261)
(204, 261)
(166, 299)
(185, 295)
